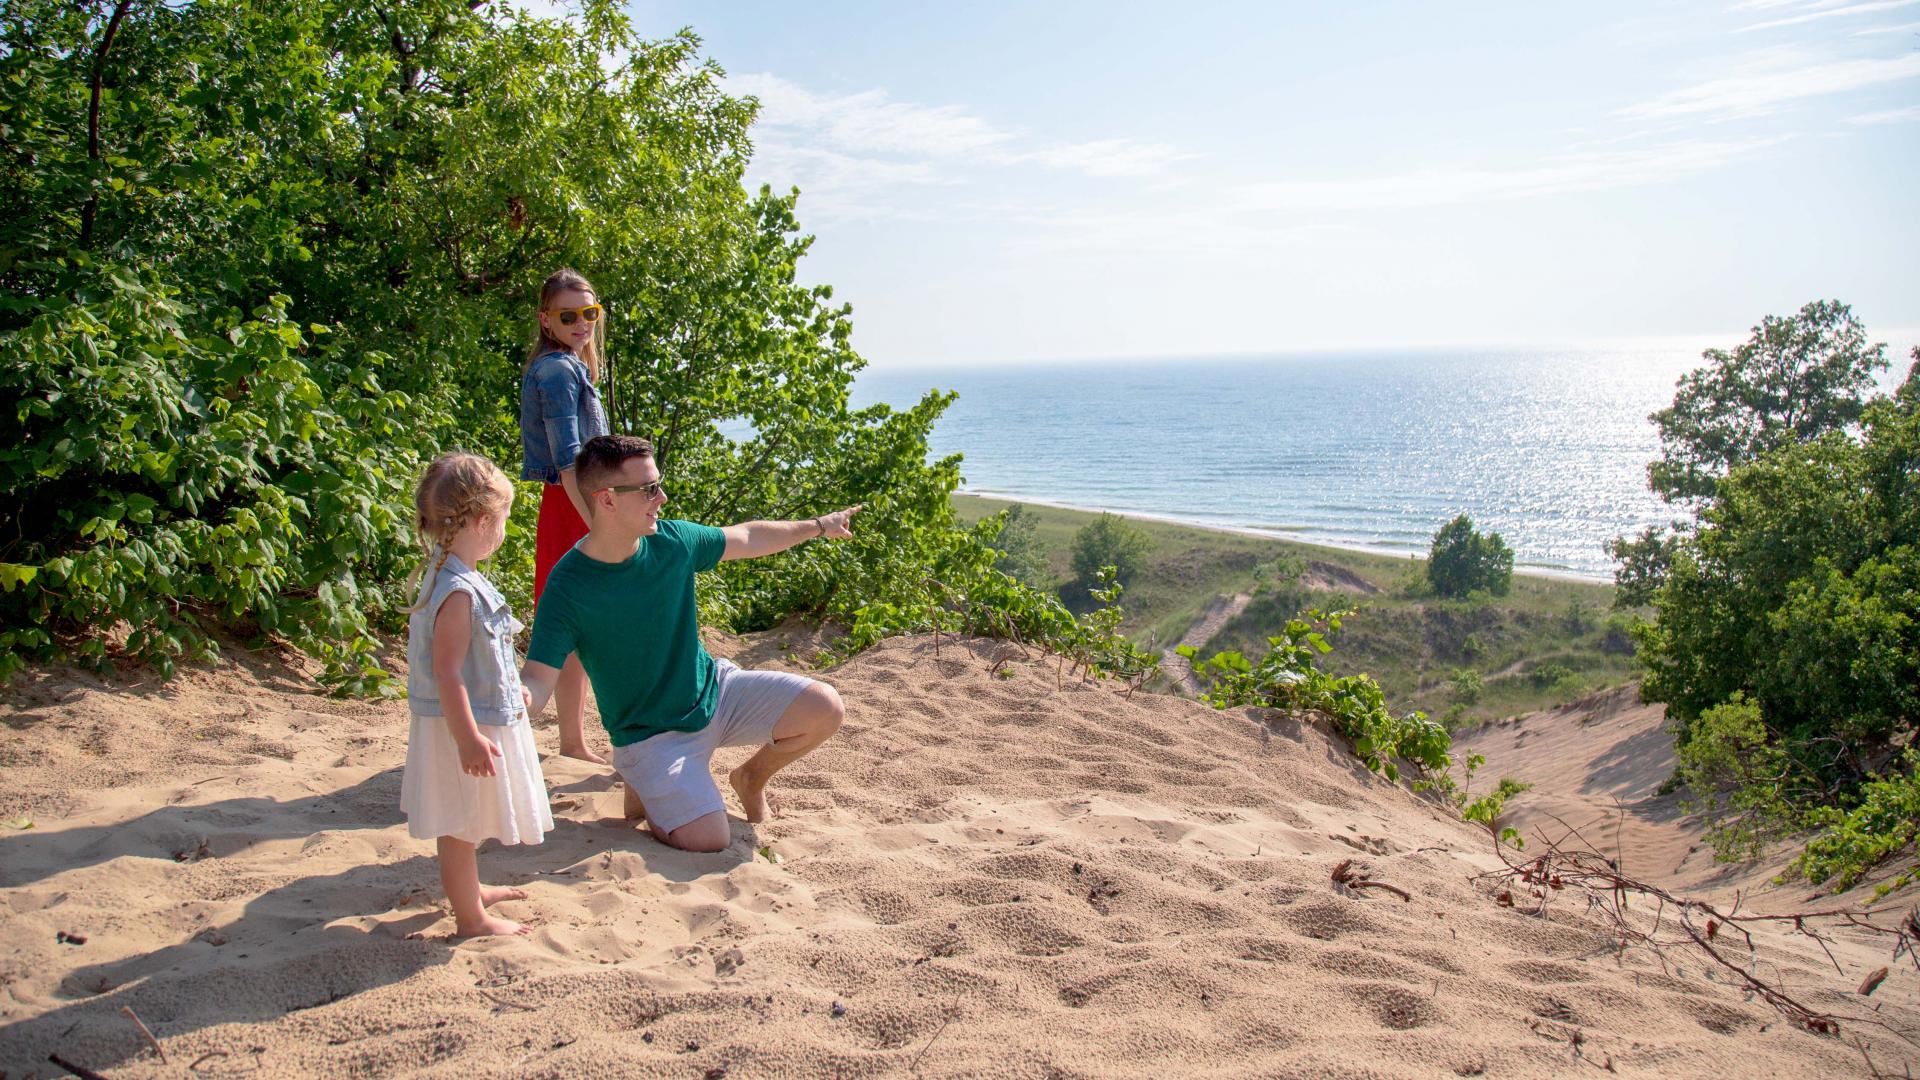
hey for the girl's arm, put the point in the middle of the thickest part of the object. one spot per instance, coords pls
(574, 495)
(452, 631)
(538, 680)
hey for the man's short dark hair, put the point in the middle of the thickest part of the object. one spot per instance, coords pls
(598, 462)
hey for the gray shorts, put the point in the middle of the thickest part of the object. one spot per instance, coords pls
(672, 771)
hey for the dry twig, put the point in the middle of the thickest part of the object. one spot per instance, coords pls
(80, 1071)
(915, 1066)
(151, 1041)
(1345, 874)
(1607, 890)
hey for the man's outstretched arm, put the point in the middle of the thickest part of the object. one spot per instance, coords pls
(752, 539)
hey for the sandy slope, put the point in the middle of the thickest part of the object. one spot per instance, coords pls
(1597, 765)
(995, 870)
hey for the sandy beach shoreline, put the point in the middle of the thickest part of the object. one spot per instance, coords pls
(1303, 539)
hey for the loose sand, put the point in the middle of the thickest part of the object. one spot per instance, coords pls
(994, 870)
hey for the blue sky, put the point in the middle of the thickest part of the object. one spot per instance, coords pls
(1000, 182)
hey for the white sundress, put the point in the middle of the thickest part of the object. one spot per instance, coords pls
(510, 806)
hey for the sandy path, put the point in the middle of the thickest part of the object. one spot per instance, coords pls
(1217, 614)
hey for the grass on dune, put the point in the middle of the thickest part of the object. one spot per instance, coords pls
(1549, 640)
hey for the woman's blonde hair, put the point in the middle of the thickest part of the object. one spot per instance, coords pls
(543, 343)
(458, 489)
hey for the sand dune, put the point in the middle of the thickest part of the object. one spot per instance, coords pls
(995, 870)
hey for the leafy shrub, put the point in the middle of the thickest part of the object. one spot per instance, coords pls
(1280, 572)
(1466, 686)
(1579, 616)
(1882, 823)
(1733, 772)
(1462, 559)
(1617, 639)
(406, 183)
(1547, 674)
(964, 593)
(1286, 678)
(171, 481)
(1487, 809)
(1023, 555)
(1109, 540)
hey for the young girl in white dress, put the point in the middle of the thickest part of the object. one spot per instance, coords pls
(473, 773)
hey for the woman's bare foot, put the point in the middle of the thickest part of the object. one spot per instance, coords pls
(581, 753)
(493, 894)
(753, 795)
(489, 926)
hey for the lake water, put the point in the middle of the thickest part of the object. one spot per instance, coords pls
(1368, 450)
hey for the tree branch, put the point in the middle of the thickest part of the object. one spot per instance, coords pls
(92, 208)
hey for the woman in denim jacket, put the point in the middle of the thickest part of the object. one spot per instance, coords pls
(559, 410)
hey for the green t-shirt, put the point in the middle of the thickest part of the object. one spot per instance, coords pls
(634, 628)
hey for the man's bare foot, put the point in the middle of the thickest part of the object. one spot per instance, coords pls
(493, 894)
(488, 927)
(753, 795)
(583, 754)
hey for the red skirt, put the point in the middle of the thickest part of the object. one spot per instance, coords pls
(560, 528)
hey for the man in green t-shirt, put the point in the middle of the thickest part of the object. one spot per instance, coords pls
(623, 600)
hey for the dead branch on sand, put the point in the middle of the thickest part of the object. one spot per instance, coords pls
(1346, 875)
(1702, 926)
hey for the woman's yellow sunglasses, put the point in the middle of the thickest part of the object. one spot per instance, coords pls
(569, 316)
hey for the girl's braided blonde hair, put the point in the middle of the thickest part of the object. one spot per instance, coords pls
(458, 489)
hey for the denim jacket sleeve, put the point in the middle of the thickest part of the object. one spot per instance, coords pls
(560, 389)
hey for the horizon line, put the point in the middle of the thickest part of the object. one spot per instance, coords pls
(1897, 339)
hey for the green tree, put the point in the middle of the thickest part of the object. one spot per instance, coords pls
(1795, 379)
(1786, 643)
(1022, 554)
(295, 248)
(1109, 540)
(1462, 559)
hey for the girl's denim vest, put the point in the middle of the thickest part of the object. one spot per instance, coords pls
(491, 670)
(559, 411)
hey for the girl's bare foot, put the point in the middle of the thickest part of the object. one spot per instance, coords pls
(752, 793)
(493, 894)
(489, 926)
(582, 753)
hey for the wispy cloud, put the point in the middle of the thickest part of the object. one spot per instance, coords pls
(1771, 5)
(1907, 115)
(1565, 173)
(1759, 93)
(1887, 29)
(868, 123)
(1828, 11)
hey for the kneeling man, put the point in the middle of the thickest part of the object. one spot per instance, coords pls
(623, 599)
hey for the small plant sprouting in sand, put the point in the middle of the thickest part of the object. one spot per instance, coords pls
(1286, 679)
(1486, 809)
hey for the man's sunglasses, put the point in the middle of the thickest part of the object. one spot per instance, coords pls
(569, 316)
(651, 491)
